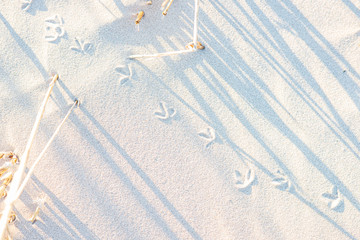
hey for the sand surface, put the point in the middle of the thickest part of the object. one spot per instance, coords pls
(255, 137)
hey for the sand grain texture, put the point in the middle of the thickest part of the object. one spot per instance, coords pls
(162, 148)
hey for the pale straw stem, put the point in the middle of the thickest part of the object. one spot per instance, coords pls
(167, 7)
(28, 176)
(161, 54)
(19, 173)
(164, 4)
(196, 17)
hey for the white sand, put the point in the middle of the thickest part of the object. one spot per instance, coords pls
(278, 83)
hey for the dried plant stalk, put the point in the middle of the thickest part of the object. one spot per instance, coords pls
(139, 16)
(8, 179)
(28, 176)
(195, 36)
(3, 192)
(3, 170)
(167, 8)
(196, 17)
(19, 173)
(198, 46)
(12, 217)
(161, 54)
(165, 2)
(33, 217)
(8, 237)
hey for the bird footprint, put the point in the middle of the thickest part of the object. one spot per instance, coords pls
(165, 112)
(81, 46)
(281, 181)
(209, 135)
(335, 200)
(248, 180)
(125, 73)
(26, 4)
(54, 28)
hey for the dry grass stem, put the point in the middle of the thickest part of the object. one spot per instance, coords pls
(199, 46)
(12, 217)
(167, 8)
(3, 170)
(19, 173)
(165, 2)
(33, 217)
(139, 16)
(3, 192)
(31, 170)
(8, 179)
(161, 54)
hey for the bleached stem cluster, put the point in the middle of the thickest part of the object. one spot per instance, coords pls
(194, 45)
(18, 185)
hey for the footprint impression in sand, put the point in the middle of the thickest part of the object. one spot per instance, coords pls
(248, 179)
(54, 28)
(334, 199)
(281, 181)
(209, 134)
(165, 112)
(125, 73)
(81, 46)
